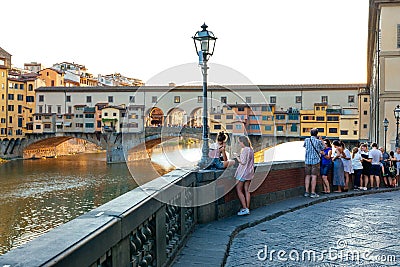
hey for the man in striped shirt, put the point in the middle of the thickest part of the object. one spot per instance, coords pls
(314, 146)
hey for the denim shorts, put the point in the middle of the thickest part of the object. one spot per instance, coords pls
(240, 179)
(217, 163)
(325, 168)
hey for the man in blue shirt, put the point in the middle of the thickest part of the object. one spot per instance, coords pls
(314, 146)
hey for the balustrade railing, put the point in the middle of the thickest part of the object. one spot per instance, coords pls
(135, 229)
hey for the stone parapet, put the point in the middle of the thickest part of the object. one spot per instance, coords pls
(150, 224)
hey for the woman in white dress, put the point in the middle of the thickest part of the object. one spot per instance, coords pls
(347, 166)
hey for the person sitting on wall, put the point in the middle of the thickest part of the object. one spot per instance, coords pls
(218, 153)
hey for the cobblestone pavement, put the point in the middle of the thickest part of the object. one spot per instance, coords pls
(357, 231)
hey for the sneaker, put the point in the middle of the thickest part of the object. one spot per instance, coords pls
(243, 212)
(306, 194)
(376, 188)
(314, 195)
(363, 188)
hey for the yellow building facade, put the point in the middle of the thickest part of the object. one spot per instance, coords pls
(3, 100)
(17, 98)
(52, 77)
(237, 119)
(326, 120)
(5, 65)
(332, 122)
(267, 120)
(21, 102)
(349, 124)
(16, 95)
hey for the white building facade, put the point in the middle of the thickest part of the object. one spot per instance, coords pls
(176, 106)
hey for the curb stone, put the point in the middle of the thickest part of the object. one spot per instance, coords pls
(210, 243)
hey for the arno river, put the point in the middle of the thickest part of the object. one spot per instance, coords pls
(39, 195)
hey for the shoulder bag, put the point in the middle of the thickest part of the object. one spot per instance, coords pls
(319, 154)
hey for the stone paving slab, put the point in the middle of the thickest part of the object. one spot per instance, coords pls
(210, 243)
(331, 240)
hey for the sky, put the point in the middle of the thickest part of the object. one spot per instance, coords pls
(269, 42)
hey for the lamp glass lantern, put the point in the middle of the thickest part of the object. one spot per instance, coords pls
(385, 123)
(204, 42)
(396, 112)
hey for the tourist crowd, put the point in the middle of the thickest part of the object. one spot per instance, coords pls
(363, 168)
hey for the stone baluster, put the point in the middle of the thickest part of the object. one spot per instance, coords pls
(149, 244)
(145, 253)
(137, 245)
(168, 226)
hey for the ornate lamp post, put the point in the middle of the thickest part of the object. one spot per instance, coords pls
(385, 127)
(396, 113)
(204, 42)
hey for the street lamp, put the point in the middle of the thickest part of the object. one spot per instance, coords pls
(385, 127)
(204, 42)
(396, 113)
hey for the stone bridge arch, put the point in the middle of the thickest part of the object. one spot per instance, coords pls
(154, 117)
(155, 136)
(96, 138)
(176, 117)
(11, 147)
(114, 143)
(195, 118)
(14, 148)
(44, 147)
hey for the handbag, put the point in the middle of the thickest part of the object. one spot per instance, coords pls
(392, 171)
(319, 154)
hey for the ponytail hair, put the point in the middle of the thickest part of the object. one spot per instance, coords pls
(355, 151)
(221, 137)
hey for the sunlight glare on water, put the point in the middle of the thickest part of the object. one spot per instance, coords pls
(285, 151)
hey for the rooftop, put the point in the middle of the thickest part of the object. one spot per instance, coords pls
(302, 87)
(4, 53)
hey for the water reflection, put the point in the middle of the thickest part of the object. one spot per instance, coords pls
(39, 195)
(164, 158)
(176, 156)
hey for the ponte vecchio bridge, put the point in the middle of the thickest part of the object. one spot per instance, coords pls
(114, 117)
